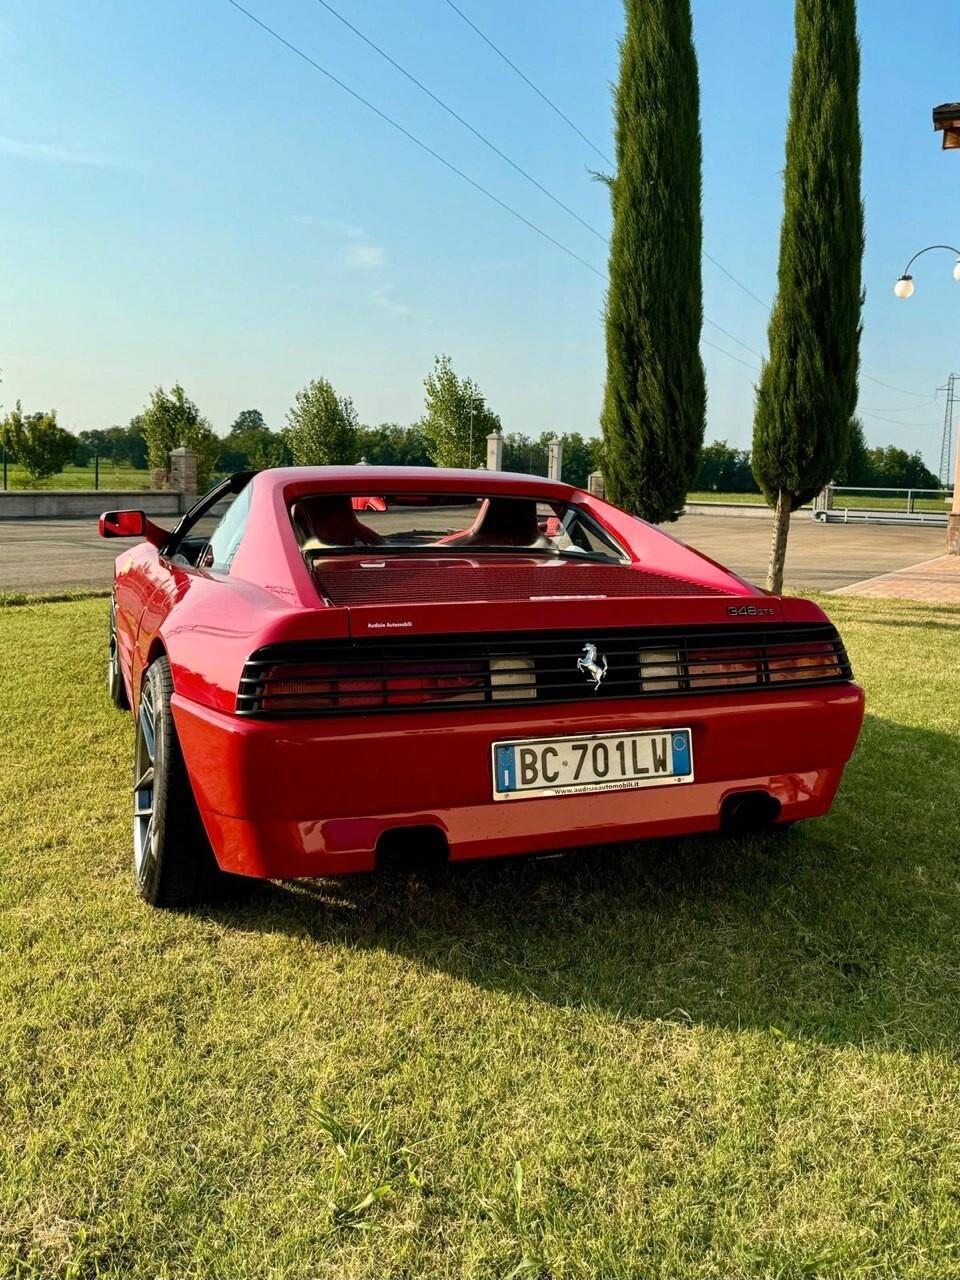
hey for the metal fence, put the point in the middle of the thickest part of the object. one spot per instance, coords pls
(863, 504)
(99, 473)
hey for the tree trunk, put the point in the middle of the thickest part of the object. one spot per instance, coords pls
(778, 548)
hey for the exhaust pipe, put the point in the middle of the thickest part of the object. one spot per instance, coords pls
(747, 812)
(411, 850)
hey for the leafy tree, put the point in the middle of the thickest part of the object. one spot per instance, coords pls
(132, 447)
(581, 455)
(117, 444)
(251, 444)
(393, 445)
(894, 468)
(90, 443)
(524, 454)
(36, 442)
(323, 426)
(248, 420)
(855, 468)
(808, 387)
(724, 470)
(455, 413)
(655, 398)
(170, 421)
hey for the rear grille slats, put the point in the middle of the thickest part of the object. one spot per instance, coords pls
(424, 673)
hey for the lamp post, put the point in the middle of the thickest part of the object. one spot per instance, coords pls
(904, 289)
(904, 286)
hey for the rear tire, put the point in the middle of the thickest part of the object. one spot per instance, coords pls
(173, 863)
(115, 686)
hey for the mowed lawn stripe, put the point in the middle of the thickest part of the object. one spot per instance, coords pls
(698, 1058)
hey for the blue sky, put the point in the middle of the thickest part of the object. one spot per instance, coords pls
(182, 198)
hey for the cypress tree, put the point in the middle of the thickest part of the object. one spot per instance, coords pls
(808, 387)
(654, 400)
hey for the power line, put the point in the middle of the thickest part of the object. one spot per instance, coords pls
(738, 283)
(527, 81)
(746, 364)
(899, 390)
(414, 139)
(459, 118)
(503, 156)
(911, 408)
(453, 168)
(893, 421)
(553, 106)
(710, 258)
(300, 53)
(753, 351)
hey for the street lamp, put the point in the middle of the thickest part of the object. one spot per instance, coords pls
(946, 119)
(904, 286)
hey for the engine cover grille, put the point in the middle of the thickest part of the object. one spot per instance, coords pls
(456, 582)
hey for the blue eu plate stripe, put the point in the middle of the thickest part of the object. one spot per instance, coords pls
(506, 769)
(681, 754)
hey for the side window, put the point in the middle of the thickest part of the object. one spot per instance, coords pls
(226, 537)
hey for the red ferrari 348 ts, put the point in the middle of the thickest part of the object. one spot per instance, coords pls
(485, 662)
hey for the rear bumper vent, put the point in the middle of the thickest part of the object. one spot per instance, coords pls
(425, 673)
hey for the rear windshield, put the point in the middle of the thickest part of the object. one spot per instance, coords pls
(337, 523)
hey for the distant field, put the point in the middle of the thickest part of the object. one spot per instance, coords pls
(858, 501)
(756, 498)
(71, 477)
(855, 501)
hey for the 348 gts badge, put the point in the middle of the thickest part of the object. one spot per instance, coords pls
(749, 611)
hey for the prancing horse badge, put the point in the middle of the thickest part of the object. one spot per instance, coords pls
(592, 668)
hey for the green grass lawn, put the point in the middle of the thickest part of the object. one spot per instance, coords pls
(111, 477)
(700, 1059)
(756, 499)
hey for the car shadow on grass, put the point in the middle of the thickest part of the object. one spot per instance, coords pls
(844, 929)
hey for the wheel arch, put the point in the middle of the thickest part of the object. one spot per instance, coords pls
(157, 650)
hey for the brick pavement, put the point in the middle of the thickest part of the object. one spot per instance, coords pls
(933, 581)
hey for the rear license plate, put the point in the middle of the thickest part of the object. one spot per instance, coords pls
(591, 762)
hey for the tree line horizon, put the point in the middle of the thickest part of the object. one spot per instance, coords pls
(323, 427)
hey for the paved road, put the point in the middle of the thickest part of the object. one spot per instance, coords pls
(820, 556)
(48, 555)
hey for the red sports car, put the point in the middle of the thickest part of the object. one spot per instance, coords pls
(484, 663)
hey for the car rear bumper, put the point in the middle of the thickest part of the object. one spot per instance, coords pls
(288, 798)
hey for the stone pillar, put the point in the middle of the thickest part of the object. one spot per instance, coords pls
(595, 484)
(494, 451)
(953, 519)
(554, 459)
(183, 470)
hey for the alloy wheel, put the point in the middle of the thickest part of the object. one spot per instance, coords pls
(143, 786)
(113, 662)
